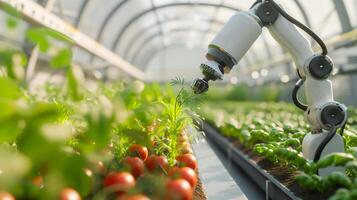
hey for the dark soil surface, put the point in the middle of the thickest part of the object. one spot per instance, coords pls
(282, 174)
(199, 193)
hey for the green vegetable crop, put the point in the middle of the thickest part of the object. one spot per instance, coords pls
(275, 131)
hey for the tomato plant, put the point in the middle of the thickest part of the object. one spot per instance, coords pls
(92, 141)
(178, 189)
(187, 160)
(139, 151)
(135, 165)
(156, 163)
(185, 173)
(120, 182)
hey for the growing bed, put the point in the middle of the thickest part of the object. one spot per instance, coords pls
(124, 141)
(278, 170)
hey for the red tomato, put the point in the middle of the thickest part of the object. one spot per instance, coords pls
(38, 181)
(69, 194)
(136, 165)
(185, 173)
(157, 163)
(6, 196)
(139, 151)
(133, 197)
(178, 189)
(187, 160)
(121, 182)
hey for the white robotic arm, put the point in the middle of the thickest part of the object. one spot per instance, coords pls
(323, 113)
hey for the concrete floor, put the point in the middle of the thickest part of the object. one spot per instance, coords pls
(221, 180)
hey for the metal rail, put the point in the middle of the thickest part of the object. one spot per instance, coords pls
(34, 13)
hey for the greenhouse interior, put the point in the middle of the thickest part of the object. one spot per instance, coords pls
(178, 99)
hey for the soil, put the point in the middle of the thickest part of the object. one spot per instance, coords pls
(282, 174)
(199, 193)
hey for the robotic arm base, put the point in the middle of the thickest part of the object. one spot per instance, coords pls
(313, 140)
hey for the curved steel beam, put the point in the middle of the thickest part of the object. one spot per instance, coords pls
(202, 32)
(216, 10)
(123, 2)
(147, 29)
(156, 51)
(160, 48)
(108, 17)
(146, 43)
(345, 23)
(103, 25)
(81, 12)
(343, 16)
(167, 20)
(303, 12)
(141, 14)
(157, 18)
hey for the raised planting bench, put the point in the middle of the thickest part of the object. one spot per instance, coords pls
(269, 184)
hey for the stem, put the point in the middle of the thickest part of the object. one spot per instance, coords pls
(176, 104)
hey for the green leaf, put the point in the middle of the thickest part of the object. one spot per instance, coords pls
(9, 89)
(14, 61)
(41, 36)
(341, 194)
(73, 85)
(10, 10)
(57, 36)
(352, 165)
(63, 59)
(335, 159)
(11, 22)
(337, 179)
(137, 136)
(9, 130)
(38, 37)
(306, 181)
(72, 168)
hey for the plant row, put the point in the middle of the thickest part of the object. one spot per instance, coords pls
(122, 140)
(275, 131)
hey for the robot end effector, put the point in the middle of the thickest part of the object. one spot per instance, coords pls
(228, 47)
(213, 69)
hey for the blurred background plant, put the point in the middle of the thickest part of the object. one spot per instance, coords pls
(59, 137)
